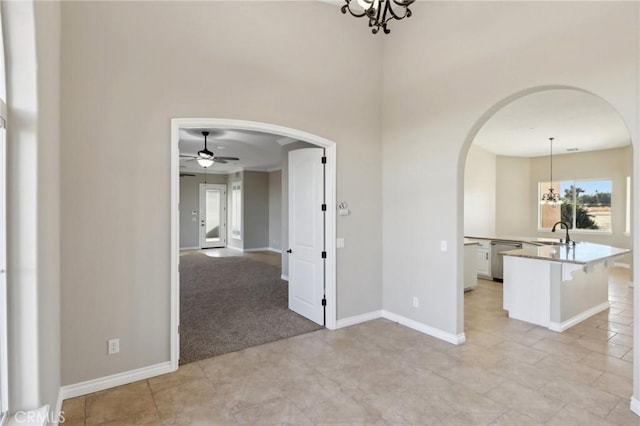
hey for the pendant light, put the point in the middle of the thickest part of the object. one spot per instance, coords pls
(552, 197)
(379, 12)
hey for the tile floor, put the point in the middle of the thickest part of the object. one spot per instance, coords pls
(378, 373)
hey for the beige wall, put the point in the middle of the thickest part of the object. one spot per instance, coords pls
(127, 69)
(513, 197)
(480, 192)
(275, 209)
(440, 91)
(256, 210)
(189, 203)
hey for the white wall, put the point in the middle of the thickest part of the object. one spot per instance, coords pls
(189, 203)
(275, 209)
(33, 140)
(127, 69)
(440, 91)
(480, 193)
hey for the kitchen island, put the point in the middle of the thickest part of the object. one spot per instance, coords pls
(558, 286)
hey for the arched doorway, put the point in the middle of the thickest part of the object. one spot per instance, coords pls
(330, 188)
(615, 236)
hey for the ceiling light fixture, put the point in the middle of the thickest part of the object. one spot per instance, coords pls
(379, 12)
(551, 197)
(205, 157)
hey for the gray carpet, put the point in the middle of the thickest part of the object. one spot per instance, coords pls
(232, 303)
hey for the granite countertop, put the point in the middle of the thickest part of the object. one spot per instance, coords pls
(581, 253)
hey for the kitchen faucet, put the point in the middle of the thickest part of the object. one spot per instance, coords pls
(567, 239)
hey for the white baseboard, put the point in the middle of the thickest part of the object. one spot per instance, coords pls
(635, 406)
(119, 379)
(236, 249)
(284, 277)
(622, 265)
(249, 250)
(189, 248)
(275, 250)
(456, 339)
(357, 319)
(559, 327)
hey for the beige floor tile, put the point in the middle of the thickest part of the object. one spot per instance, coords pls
(530, 376)
(601, 346)
(194, 402)
(620, 386)
(608, 364)
(629, 356)
(73, 411)
(184, 374)
(623, 416)
(570, 353)
(622, 339)
(513, 418)
(565, 337)
(472, 407)
(618, 328)
(120, 403)
(472, 377)
(558, 367)
(145, 418)
(593, 332)
(526, 401)
(589, 398)
(573, 415)
(341, 410)
(276, 411)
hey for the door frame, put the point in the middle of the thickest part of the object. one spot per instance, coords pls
(288, 134)
(202, 207)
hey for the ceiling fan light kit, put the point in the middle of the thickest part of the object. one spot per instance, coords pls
(379, 12)
(206, 158)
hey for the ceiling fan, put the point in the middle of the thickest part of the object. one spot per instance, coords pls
(205, 157)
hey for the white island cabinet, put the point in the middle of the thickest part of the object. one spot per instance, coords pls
(558, 286)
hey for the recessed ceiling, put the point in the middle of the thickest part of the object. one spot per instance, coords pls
(574, 118)
(256, 150)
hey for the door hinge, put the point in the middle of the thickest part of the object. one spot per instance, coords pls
(324, 254)
(324, 160)
(324, 207)
(324, 301)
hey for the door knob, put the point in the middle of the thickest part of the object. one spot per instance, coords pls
(289, 251)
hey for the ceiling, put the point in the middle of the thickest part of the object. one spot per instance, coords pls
(575, 119)
(256, 150)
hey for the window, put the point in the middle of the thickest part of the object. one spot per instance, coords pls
(586, 205)
(236, 210)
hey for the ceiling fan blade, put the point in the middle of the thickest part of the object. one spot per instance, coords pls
(187, 156)
(186, 174)
(219, 160)
(228, 158)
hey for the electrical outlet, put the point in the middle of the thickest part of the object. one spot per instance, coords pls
(416, 302)
(113, 346)
(443, 245)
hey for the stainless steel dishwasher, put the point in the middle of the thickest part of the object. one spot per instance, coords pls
(496, 258)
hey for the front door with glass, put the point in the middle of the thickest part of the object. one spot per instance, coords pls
(213, 224)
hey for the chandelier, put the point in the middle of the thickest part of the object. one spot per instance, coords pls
(379, 12)
(551, 197)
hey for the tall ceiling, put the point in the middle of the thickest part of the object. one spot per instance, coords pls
(575, 119)
(256, 150)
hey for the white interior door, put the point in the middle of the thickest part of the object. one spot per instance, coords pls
(213, 223)
(306, 233)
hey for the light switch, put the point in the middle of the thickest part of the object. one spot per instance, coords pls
(340, 242)
(443, 245)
